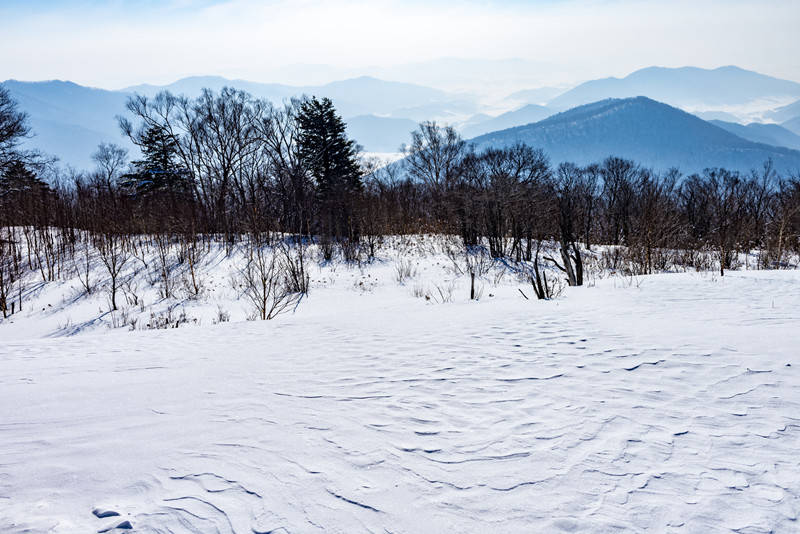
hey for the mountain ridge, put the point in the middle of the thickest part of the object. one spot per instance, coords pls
(652, 133)
(682, 87)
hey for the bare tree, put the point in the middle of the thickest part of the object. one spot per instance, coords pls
(655, 218)
(114, 255)
(725, 191)
(618, 176)
(215, 137)
(435, 155)
(83, 267)
(7, 274)
(278, 131)
(110, 160)
(786, 220)
(13, 129)
(504, 185)
(569, 187)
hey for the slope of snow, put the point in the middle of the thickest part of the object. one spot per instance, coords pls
(668, 403)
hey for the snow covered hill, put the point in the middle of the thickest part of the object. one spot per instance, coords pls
(666, 403)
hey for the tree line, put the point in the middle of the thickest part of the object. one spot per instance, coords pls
(229, 167)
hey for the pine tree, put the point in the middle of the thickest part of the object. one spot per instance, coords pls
(159, 170)
(22, 194)
(159, 150)
(19, 179)
(325, 149)
(331, 159)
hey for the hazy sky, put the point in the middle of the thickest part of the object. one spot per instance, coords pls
(116, 43)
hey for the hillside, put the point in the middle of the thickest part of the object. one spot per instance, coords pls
(540, 95)
(689, 87)
(785, 113)
(793, 125)
(518, 117)
(69, 120)
(650, 132)
(770, 134)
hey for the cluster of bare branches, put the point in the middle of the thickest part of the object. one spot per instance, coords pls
(512, 201)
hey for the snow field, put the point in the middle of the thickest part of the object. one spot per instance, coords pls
(666, 404)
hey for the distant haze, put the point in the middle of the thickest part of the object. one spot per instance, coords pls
(70, 120)
(550, 42)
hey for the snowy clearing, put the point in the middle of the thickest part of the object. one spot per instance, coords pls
(670, 405)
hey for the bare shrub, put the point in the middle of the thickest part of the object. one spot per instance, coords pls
(497, 277)
(192, 253)
(130, 290)
(266, 285)
(351, 250)
(473, 261)
(441, 293)
(83, 268)
(544, 287)
(477, 292)
(404, 270)
(165, 267)
(418, 291)
(168, 319)
(326, 249)
(223, 316)
(294, 262)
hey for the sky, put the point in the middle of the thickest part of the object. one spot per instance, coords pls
(116, 43)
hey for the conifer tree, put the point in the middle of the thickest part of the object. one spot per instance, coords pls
(331, 159)
(159, 169)
(159, 150)
(325, 149)
(22, 193)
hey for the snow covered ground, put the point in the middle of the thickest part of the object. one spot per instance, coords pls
(667, 403)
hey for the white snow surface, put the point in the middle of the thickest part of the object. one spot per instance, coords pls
(670, 403)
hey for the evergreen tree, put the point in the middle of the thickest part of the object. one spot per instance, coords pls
(325, 149)
(159, 150)
(158, 171)
(23, 195)
(331, 158)
(19, 179)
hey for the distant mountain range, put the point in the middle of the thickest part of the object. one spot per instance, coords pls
(686, 87)
(788, 116)
(355, 96)
(70, 120)
(540, 95)
(651, 133)
(717, 116)
(770, 134)
(793, 125)
(785, 113)
(524, 115)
